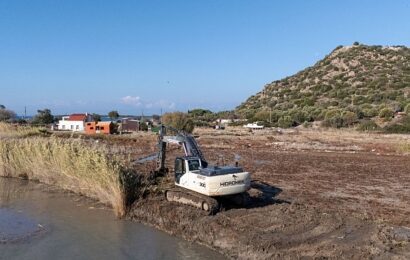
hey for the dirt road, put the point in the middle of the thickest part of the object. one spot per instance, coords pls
(328, 198)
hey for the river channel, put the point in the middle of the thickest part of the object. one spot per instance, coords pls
(39, 222)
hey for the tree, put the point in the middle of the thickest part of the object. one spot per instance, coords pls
(96, 117)
(199, 112)
(113, 115)
(43, 117)
(6, 114)
(178, 120)
(262, 115)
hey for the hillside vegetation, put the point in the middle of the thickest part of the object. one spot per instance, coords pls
(352, 84)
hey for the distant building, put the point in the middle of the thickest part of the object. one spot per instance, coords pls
(254, 126)
(227, 121)
(224, 121)
(129, 125)
(99, 128)
(74, 122)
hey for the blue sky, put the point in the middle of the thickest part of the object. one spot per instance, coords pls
(134, 56)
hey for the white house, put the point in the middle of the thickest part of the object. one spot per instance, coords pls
(74, 122)
(253, 126)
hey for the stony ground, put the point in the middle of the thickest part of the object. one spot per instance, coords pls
(327, 194)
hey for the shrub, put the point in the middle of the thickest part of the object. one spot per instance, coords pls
(370, 112)
(285, 122)
(333, 118)
(349, 118)
(386, 113)
(261, 116)
(402, 127)
(298, 116)
(368, 125)
(407, 109)
(307, 124)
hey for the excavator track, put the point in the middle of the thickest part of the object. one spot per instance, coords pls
(186, 197)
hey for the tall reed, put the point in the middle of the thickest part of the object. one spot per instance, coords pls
(68, 163)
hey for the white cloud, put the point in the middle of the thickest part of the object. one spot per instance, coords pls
(161, 104)
(130, 100)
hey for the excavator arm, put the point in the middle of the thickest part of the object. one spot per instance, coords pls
(187, 141)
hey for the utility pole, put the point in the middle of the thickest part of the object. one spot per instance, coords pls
(25, 112)
(160, 118)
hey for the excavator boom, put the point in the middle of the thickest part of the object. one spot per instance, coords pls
(191, 147)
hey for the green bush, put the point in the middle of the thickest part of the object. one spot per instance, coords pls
(262, 115)
(298, 116)
(333, 118)
(368, 125)
(349, 118)
(386, 113)
(370, 112)
(285, 122)
(339, 118)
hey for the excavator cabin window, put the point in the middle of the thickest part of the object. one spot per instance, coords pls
(193, 165)
(179, 169)
(179, 166)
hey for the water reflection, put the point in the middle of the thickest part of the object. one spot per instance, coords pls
(10, 190)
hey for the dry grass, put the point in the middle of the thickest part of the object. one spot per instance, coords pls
(404, 148)
(67, 163)
(315, 139)
(14, 131)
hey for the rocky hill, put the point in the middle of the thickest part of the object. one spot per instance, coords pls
(350, 84)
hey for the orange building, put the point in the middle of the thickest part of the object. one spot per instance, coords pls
(99, 128)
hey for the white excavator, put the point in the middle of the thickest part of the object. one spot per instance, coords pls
(196, 183)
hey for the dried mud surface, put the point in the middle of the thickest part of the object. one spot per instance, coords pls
(335, 202)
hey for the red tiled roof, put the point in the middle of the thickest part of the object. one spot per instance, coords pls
(77, 117)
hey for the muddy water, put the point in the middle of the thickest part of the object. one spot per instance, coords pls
(39, 223)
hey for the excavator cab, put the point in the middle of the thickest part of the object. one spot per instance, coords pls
(186, 164)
